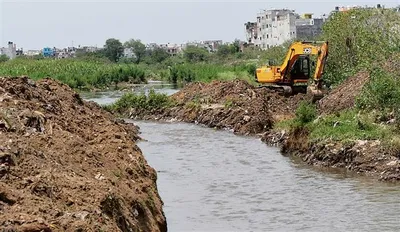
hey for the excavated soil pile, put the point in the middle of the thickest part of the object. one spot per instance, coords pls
(67, 165)
(344, 96)
(235, 105)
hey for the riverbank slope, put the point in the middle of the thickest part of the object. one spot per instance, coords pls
(68, 165)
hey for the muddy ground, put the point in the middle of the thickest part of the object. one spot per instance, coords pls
(248, 110)
(67, 165)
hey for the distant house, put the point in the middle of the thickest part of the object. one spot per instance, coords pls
(32, 53)
(10, 51)
(48, 52)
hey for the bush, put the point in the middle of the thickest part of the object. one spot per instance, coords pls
(305, 113)
(152, 101)
(381, 92)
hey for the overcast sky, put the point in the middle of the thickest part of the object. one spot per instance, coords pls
(36, 24)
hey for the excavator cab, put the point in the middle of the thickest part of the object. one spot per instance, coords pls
(301, 69)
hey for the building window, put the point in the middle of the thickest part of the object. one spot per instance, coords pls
(267, 36)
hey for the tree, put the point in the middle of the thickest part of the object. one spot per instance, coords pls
(113, 49)
(138, 48)
(236, 45)
(3, 58)
(195, 54)
(158, 55)
(224, 50)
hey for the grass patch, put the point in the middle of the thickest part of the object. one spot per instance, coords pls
(345, 126)
(349, 125)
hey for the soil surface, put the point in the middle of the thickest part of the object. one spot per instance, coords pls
(234, 105)
(343, 96)
(68, 165)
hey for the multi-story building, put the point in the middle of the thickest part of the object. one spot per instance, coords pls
(274, 27)
(171, 49)
(212, 45)
(251, 32)
(10, 51)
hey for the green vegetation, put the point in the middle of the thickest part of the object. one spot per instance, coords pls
(183, 73)
(76, 73)
(3, 58)
(360, 39)
(152, 101)
(113, 49)
(305, 113)
(344, 126)
(349, 126)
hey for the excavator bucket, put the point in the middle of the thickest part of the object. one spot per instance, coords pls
(315, 93)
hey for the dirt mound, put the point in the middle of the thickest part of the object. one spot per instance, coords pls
(235, 105)
(344, 96)
(67, 165)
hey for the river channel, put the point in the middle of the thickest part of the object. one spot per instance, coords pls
(213, 180)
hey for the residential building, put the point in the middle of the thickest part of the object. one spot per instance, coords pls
(48, 52)
(212, 45)
(10, 51)
(274, 27)
(128, 53)
(251, 32)
(32, 53)
(308, 27)
(171, 49)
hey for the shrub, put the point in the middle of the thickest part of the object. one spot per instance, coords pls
(305, 113)
(152, 101)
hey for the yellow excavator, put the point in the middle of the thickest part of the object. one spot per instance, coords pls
(294, 74)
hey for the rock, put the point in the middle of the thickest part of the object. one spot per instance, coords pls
(81, 215)
(246, 118)
(99, 176)
(392, 163)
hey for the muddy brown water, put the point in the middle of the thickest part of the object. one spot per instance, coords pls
(213, 180)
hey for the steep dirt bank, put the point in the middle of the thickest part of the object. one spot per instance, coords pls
(67, 165)
(234, 105)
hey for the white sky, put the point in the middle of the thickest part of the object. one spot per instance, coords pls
(38, 24)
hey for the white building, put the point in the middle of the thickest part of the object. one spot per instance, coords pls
(128, 53)
(32, 53)
(10, 51)
(274, 27)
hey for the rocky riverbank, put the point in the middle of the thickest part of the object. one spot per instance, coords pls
(68, 165)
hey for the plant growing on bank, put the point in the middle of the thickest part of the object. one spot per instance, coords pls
(305, 113)
(152, 101)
